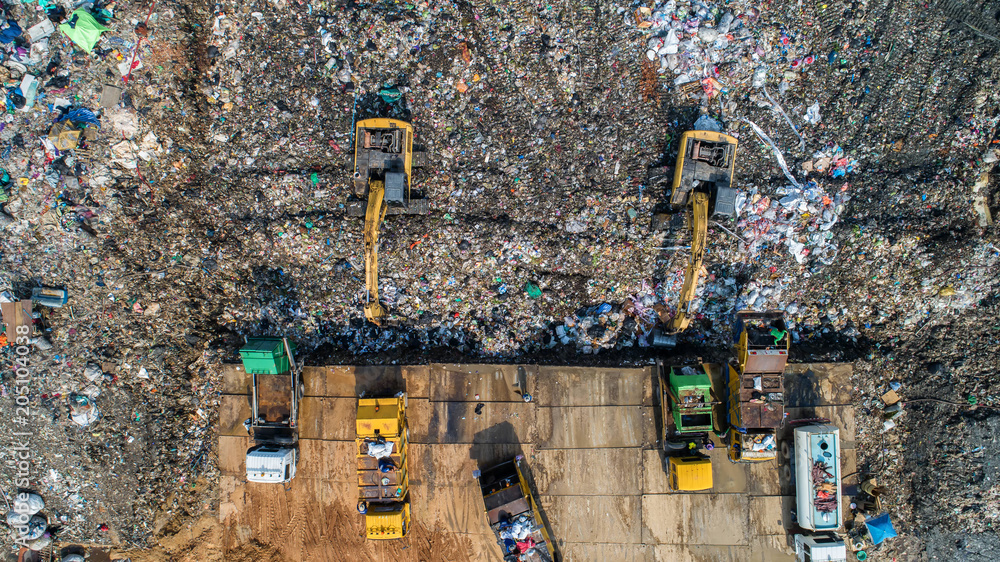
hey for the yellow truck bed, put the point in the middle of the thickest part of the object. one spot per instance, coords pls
(383, 481)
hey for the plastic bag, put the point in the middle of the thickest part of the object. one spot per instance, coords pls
(812, 114)
(29, 503)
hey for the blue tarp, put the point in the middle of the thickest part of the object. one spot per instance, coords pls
(880, 528)
(81, 115)
(9, 31)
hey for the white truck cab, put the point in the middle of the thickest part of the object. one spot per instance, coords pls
(268, 464)
(820, 548)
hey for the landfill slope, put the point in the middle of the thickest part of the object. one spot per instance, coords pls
(210, 206)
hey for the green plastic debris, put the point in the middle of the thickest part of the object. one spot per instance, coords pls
(83, 29)
(778, 335)
(390, 95)
(315, 179)
(973, 400)
(533, 290)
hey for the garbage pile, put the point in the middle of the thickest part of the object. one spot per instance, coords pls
(84, 86)
(799, 218)
(692, 40)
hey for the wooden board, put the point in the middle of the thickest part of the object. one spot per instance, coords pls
(590, 519)
(457, 422)
(493, 383)
(588, 472)
(700, 553)
(233, 454)
(340, 381)
(234, 379)
(456, 508)
(761, 549)
(818, 384)
(764, 478)
(450, 464)
(770, 515)
(329, 460)
(233, 411)
(347, 381)
(709, 519)
(17, 314)
(586, 427)
(585, 386)
(608, 552)
(417, 379)
(771, 548)
(849, 467)
(328, 418)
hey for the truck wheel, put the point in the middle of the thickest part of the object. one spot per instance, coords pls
(671, 445)
(786, 451)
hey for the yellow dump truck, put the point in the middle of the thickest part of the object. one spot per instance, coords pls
(383, 480)
(513, 515)
(756, 385)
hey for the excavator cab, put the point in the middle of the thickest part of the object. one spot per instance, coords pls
(705, 164)
(384, 154)
(384, 159)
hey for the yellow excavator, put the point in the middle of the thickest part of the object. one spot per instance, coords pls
(384, 159)
(703, 184)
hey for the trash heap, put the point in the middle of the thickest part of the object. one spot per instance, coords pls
(798, 218)
(691, 40)
(81, 167)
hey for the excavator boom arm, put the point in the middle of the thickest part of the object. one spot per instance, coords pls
(374, 215)
(699, 237)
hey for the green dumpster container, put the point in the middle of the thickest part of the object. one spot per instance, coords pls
(690, 389)
(265, 356)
